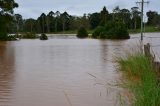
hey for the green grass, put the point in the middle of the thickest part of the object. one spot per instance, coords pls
(141, 80)
(146, 29)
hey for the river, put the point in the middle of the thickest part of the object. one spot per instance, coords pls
(63, 71)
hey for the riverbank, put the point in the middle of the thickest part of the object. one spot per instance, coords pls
(131, 31)
(147, 29)
(140, 79)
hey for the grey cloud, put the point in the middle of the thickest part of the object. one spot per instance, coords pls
(33, 8)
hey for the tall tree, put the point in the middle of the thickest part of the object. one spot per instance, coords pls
(126, 17)
(65, 20)
(135, 16)
(19, 22)
(42, 19)
(50, 19)
(30, 25)
(151, 16)
(94, 20)
(104, 15)
(57, 15)
(6, 11)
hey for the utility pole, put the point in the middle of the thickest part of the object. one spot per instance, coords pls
(142, 10)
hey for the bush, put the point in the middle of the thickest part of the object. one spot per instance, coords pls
(43, 37)
(99, 31)
(5, 37)
(82, 33)
(112, 30)
(29, 35)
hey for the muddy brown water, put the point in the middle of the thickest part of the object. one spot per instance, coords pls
(62, 71)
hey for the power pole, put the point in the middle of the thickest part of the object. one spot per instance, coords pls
(142, 10)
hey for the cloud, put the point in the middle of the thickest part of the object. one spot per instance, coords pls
(33, 8)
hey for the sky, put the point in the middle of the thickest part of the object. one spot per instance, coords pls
(34, 8)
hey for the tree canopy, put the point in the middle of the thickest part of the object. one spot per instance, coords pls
(6, 11)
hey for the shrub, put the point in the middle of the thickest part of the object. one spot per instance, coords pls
(43, 37)
(112, 30)
(82, 33)
(29, 35)
(5, 37)
(99, 31)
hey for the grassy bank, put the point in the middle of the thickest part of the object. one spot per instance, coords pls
(140, 79)
(147, 29)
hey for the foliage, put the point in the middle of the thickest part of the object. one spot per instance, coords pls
(94, 20)
(141, 80)
(104, 14)
(99, 31)
(151, 17)
(112, 30)
(6, 11)
(29, 35)
(43, 37)
(7, 38)
(82, 33)
(55, 22)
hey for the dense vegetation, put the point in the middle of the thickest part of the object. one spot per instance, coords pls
(142, 80)
(29, 35)
(82, 33)
(6, 11)
(112, 30)
(55, 22)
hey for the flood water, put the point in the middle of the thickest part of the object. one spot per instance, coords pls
(62, 71)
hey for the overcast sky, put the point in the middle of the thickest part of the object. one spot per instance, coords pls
(33, 8)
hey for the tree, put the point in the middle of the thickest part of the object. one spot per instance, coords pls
(42, 21)
(82, 32)
(94, 20)
(57, 15)
(19, 22)
(115, 14)
(135, 16)
(126, 17)
(6, 11)
(30, 25)
(65, 20)
(50, 19)
(104, 15)
(151, 16)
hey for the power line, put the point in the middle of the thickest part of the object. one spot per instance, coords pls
(142, 10)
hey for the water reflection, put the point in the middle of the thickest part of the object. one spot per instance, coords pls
(7, 70)
(60, 72)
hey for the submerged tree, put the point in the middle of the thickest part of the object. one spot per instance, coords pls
(6, 11)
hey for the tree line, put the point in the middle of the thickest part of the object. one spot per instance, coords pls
(58, 22)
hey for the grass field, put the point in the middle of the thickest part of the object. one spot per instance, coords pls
(146, 29)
